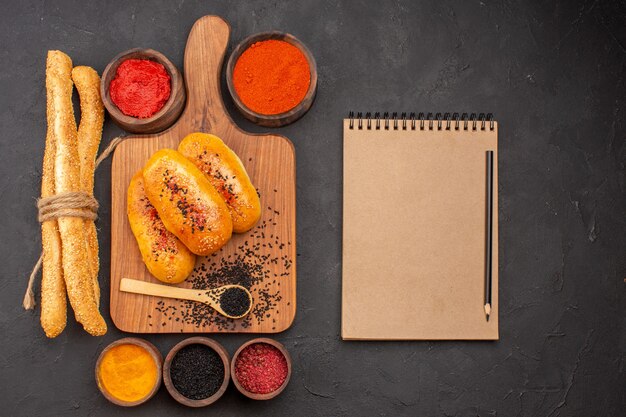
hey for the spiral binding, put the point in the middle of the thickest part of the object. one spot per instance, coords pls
(422, 121)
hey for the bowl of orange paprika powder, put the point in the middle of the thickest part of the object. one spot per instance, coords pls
(272, 78)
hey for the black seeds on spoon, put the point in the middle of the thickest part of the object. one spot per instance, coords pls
(197, 371)
(234, 301)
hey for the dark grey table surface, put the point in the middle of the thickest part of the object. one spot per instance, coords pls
(553, 75)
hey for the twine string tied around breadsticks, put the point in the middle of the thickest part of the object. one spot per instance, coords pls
(70, 204)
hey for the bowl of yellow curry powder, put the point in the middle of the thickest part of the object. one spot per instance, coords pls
(128, 371)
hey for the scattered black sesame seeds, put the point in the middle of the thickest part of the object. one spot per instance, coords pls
(253, 266)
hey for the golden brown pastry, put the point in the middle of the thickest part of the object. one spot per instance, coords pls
(164, 255)
(53, 299)
(189, 206)
(226, 172)
(87, 83)
(62, 128)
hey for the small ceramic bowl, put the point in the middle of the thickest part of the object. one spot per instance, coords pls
(162, 119)
(272, 120)
(167, 379)
(156, 356)
(253, 395)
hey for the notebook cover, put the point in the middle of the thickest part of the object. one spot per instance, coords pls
(414, 234)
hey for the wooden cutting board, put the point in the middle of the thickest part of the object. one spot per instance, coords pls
(263, 259)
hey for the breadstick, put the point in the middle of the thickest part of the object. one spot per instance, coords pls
(87, 83)
(75, 261)
(53, 299)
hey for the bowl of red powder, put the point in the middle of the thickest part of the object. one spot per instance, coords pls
(272, 78)
(142, 91)
(261, 368)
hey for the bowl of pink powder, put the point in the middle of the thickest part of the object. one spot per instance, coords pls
(261, 368)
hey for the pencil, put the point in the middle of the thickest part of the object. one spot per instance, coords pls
(489, 234)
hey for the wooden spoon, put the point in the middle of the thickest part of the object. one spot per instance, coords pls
(211, 297)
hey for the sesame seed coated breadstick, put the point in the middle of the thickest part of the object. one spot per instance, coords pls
(87, 83)
(53, 298)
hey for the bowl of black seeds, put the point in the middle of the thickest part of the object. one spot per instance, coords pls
(196, 371)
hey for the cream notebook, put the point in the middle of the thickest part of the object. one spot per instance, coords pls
(415, 226)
